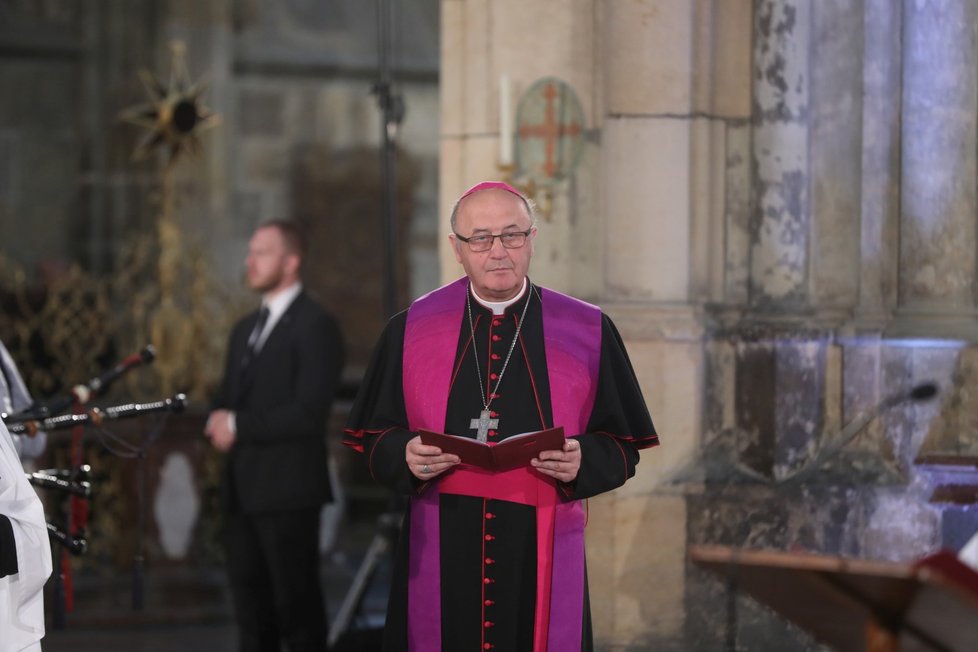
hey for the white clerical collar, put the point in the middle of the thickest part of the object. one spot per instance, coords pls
(499, 307)
(277, 304)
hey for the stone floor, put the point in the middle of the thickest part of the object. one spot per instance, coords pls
(189, 611)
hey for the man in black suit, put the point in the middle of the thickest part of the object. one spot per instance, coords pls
(269, 417)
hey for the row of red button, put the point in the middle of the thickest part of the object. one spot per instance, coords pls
(489, 561)
(493, 375)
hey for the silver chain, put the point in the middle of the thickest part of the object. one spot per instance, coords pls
(475, 353)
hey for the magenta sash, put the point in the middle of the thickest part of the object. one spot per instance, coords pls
(572, 340)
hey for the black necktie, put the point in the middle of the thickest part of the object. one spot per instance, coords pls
(255, 337)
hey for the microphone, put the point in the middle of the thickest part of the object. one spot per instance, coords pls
(33, 413)
(83, 393)
(75, 545)
(722, 464)
(97, 386)
(76, 474)
(83, 489)
(923, 392)
(96, 416)
(918, 393)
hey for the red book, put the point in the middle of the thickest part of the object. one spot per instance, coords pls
(510, 453)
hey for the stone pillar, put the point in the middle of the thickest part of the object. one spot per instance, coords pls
(880, 206)
(865, 361)
(834, 129)
(779, 256)
(646, 148)
(936, 295)
(780, 358)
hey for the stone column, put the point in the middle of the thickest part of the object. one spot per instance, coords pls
(779, 361)
(880, 206)
(936, 295)
(646, 136)
(779, 255)
(661, 158)
(834, 178)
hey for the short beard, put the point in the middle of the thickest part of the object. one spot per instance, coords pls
(270, 283)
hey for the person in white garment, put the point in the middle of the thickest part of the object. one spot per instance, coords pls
(14, 397)
(25, 555)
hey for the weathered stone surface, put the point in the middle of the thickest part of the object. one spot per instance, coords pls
(737, 216)
(645, 160)
(647, 58)
(880, 136)
(637, 568)
(938, 190)
(723, 60)
(781, 229)
(836, 100)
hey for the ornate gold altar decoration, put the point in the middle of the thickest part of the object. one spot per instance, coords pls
(175, 114)
(67, 323)
(182, 331)
(65, 326)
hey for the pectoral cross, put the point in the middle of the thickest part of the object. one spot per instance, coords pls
(482, 425)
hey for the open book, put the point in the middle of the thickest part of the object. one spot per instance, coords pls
(510, 453)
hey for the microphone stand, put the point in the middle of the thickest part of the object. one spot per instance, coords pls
(78, 512)
(721, 463)
(138, 562)
(920, 393)
(77, 520)
(392, 106)
(388, 525)
(176, 404)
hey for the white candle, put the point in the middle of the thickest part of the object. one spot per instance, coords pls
(505, 123)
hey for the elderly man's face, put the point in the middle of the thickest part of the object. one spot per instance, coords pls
(496, 274)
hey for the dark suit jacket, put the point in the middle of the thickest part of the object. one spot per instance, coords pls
(282, 402)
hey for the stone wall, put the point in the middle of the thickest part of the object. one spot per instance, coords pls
(776, 206)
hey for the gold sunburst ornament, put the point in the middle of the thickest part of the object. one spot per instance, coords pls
(175, 117)
(175, 114)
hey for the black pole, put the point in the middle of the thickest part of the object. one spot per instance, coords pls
(59, 614)
(392, 107)
(138, 575)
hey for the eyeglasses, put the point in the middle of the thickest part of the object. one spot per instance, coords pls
(484, 241)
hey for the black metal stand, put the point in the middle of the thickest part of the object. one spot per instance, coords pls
(75, 483)
(392, 106)
(59, 614)
(388, 525)
(138, 576)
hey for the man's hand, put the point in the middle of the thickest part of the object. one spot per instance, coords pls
(427, 462)
(561, 465)
(218, 429)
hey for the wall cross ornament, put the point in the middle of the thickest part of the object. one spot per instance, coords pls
(548, 138)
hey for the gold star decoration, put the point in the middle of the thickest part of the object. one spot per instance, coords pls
(175, 114)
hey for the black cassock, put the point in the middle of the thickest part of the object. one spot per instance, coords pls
(477, 531)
